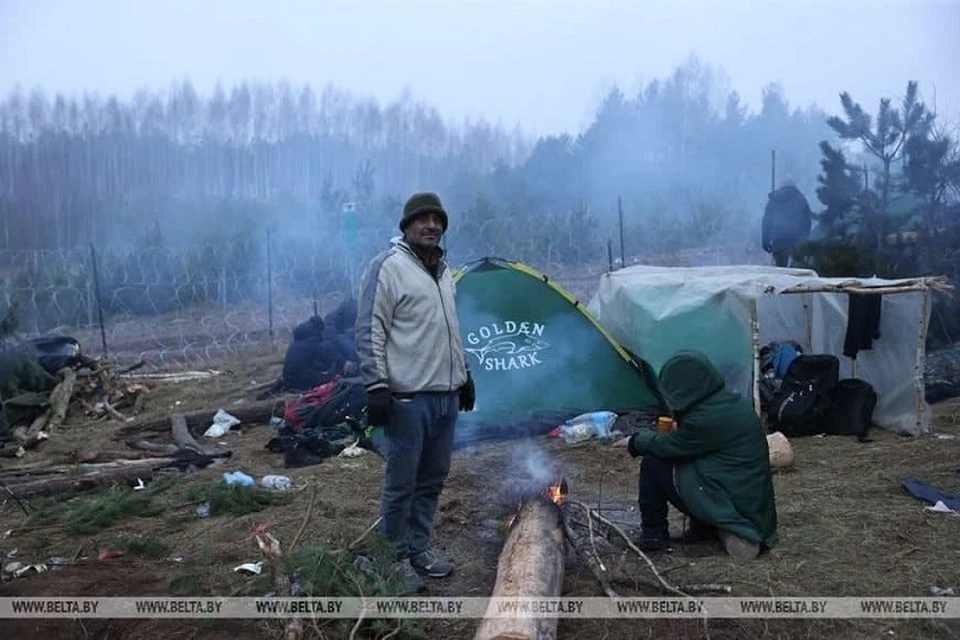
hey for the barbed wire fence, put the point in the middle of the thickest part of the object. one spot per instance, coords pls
(190, 307)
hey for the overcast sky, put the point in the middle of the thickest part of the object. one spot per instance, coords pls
(541, 63)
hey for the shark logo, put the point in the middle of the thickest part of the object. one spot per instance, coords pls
(507, 345)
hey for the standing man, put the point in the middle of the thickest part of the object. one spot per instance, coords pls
(786, 222)
(417, 379)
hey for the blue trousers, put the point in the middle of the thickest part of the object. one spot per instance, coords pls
(418, 447)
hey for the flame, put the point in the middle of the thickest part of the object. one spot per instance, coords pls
(554, 493)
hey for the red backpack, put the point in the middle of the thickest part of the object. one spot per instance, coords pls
(298, 411)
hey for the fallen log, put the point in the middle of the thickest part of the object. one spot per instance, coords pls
(108, 473)
(531, 565)
(60, 398)
(184, 442)
(33, 435)
(100, 457)
(82, 482)
(182, 435)
(19, 452)
(200, 420)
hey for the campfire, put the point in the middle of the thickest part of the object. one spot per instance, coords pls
(555, 493)
(532, 561)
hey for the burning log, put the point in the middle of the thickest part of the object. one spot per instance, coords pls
(531, 565)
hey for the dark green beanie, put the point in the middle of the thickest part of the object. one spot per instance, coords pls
(420, 204)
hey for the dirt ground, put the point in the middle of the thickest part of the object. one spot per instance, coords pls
(847, 528)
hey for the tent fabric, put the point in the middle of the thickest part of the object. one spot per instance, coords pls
(536, 354)
(656, 311)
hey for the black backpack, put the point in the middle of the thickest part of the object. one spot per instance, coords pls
(853, 405)
(804, 403)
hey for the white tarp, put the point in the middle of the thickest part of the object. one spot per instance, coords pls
(657, 311)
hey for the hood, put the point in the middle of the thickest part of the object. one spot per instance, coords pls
(785, 194)
(687, 379)
(343, 317)
(312, 328)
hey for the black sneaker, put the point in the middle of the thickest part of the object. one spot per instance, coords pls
(410, 580)
(654, 544)
(430, 565)
(697, 534)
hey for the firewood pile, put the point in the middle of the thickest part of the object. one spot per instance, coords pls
(92, 388)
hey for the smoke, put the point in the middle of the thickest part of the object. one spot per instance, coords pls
(529, 471)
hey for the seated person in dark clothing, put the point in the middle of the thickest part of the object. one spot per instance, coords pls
(340, 323)
(311, 360)
(344, 317)
(714, 466)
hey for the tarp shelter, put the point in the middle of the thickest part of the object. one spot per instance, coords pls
(731, 312)
(537, 355)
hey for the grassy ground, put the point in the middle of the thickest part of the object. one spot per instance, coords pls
(846, 529)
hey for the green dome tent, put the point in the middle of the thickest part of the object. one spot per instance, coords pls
(537, 355)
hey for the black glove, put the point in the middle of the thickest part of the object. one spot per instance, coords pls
(378, 407)
(468, 394)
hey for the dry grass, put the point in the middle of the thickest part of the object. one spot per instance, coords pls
(846, 529)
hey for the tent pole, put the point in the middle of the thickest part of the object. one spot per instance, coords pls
(921, 354)
(755, 345)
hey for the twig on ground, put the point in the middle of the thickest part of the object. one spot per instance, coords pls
(363, 611)
(394, 632)
(363, 536)
(653, 568)
(593, 544)
(306, 520)
(593, 562)
(620, 532)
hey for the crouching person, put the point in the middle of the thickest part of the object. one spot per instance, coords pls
(714, 466)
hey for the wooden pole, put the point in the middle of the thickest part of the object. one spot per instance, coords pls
(96, 293)
(623, 257)
(531, 565)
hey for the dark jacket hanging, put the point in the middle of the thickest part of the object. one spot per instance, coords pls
(863, 323)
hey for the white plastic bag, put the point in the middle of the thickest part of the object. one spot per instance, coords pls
(222, 422)
(598, 424)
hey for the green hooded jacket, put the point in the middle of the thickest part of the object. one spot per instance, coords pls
(722, 467)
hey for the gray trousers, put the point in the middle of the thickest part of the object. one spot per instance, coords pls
(418, 448)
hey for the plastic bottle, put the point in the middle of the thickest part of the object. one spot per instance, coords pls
(238, 478)
(588, 425)
(281, 483)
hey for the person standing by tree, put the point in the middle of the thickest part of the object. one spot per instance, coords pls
(786, 222)
(417, 379)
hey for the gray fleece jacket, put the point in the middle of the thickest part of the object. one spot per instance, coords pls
(407, 331)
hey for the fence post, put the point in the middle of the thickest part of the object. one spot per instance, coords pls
(223, 286)
(96, 293)
(623, 257)
(269, 286)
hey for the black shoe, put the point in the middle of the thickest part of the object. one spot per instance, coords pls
(696, 534)
(654, 544)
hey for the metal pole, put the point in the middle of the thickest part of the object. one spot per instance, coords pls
(269, 286)
(773, 170)
(609, 255)
(623, 257)
(96, 293)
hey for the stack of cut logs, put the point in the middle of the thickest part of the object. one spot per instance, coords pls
(94, 388)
